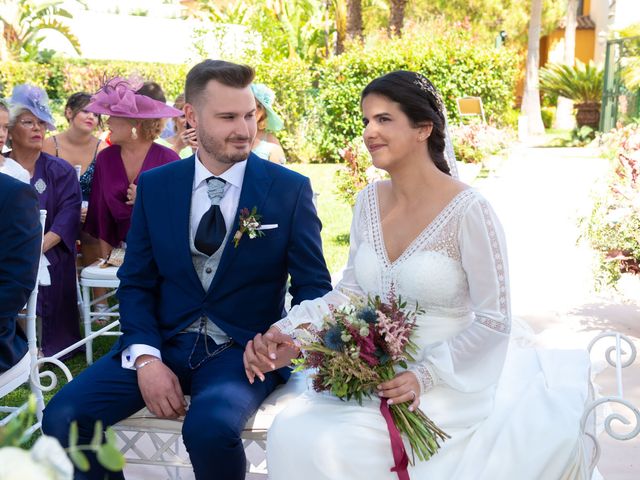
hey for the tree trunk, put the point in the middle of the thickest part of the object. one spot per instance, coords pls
(340, 12)
(354, 19)
(396, 17)
(564, 112)
(531, 97)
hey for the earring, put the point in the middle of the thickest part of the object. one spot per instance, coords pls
(134, 133)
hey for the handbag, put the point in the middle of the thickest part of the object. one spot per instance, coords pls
(115, 258)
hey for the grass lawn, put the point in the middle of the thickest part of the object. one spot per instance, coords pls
(334, 213)
(557, 138)
(336, 220)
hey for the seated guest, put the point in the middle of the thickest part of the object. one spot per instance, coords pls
(21, 238)
(79, 147)
(183, 141)
(135, 121)
(77, 144)
(58, 190)
(266, 145)
(7, 165)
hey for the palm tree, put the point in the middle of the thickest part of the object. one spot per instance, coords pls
(531, 96)
(396, 16)
(23, 21)
(354, 19)
(302, 22)
(564, 117)
(340, 14)
(582, 83)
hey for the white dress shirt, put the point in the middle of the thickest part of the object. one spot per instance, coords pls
(200, 203)
(10, 167)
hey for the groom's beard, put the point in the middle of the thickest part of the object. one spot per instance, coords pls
(221, 150)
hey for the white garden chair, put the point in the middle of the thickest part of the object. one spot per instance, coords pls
(97, 276)
(21, 373)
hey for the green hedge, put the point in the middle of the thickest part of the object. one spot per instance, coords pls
(319, 103)
(457, 67)
(62, 77)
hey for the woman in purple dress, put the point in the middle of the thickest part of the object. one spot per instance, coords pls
(135, 121)
(59, 194)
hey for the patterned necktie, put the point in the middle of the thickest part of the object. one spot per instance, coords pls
(212, 230)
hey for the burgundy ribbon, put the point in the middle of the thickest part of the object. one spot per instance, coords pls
(400, 456)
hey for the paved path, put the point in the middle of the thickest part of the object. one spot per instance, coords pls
(539, 194)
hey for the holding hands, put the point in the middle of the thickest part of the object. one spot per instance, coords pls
(268, 352)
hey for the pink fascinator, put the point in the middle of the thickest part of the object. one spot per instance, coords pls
(118, 98)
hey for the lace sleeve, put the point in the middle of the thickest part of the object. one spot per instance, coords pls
(473, 359)
(313, 312)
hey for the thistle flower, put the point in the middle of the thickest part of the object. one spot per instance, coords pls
(333, 338)
(368, 314)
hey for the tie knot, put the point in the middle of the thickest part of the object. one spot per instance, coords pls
(215, 189)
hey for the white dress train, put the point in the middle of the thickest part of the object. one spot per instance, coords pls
(511, 412)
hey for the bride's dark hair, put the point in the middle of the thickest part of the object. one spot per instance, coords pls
(420, 101)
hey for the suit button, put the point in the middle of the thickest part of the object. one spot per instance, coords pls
(208, 270)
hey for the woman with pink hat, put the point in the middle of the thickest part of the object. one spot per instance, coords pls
(135, 121)
(56, 184)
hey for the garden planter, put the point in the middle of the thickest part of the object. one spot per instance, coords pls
(588, 114)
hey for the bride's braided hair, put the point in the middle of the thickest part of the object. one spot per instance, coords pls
(421, 102)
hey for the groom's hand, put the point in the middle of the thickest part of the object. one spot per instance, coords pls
(160, 388)
(268, 352)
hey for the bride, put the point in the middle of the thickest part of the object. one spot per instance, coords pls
(512, 412)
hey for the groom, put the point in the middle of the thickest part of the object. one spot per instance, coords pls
(199, 280)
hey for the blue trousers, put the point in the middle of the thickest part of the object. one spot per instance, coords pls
(222, 400)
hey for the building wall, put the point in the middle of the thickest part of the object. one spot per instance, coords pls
(599, 13)
(552, 46)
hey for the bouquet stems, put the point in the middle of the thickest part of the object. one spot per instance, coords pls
(423, 434)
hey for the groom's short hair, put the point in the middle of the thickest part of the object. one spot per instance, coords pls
(227, 73)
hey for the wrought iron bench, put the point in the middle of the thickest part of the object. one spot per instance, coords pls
(148, 440)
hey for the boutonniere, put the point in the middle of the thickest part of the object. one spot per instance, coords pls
(249, 223)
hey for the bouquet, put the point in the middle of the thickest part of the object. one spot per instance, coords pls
(359, 346)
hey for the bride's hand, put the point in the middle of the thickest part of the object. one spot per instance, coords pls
(268, 352)
(403, 388)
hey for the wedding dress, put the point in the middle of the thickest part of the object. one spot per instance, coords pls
(512, 412)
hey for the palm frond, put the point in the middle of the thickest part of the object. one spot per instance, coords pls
(581, 83)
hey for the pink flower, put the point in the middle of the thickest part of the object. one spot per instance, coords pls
(395, 332)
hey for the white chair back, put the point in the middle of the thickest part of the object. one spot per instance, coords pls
(20, 373)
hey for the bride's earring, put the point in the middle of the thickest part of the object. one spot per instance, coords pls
(134, 133)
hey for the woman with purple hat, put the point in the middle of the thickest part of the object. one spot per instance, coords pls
(56, 183)
(135, 121)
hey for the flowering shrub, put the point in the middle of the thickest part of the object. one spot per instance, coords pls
(475, 142)
(614, 225)
(46, 459)
(357, 172)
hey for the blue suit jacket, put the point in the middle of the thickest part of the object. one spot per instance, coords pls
(19, 257)
(160, 293)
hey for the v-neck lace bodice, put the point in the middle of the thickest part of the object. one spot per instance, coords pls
(432, 227)
(435, 250)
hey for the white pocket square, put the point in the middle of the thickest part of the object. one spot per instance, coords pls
(267, 226)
